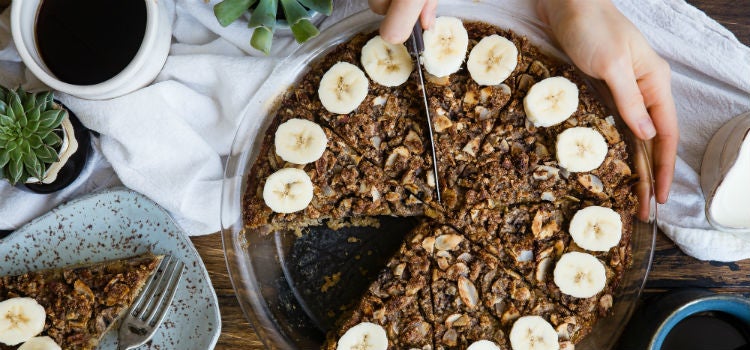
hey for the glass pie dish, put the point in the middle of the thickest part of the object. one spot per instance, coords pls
(270, 282)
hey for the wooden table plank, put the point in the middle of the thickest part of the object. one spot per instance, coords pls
(671, 268)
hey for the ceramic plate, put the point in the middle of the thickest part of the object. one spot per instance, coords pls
(116, 224)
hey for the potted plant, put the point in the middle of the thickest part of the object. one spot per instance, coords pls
(43, 146)
(265, 17)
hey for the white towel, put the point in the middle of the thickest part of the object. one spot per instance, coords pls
(168, 140)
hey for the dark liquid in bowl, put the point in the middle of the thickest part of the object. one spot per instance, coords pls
(709, 331)
(85, 42)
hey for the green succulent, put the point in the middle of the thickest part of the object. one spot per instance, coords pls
(263, 18)
(29, 134)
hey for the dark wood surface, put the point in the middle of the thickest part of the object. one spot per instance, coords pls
(671, 268)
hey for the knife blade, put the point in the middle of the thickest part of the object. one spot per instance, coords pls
(417, 47)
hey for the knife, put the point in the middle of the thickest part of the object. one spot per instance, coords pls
(417, 47)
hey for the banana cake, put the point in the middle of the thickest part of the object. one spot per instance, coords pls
(532, 238)
(70, 308)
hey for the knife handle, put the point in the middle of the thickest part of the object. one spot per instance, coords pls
(417, 40)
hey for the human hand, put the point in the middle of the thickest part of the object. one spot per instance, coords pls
(400, 16)
(605, 45)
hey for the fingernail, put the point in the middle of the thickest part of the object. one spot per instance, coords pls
(647, 128)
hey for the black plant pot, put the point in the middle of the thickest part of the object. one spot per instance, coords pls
(73, 167)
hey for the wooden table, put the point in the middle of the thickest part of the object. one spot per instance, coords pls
(671, 268)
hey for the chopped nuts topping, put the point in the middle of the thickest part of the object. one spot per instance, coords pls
(467, 292)
(448, 241)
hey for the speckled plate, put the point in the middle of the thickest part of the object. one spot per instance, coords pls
(116, 224)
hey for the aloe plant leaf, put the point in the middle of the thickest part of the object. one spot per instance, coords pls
(50, 102)
(264, 15)
(304, 30)
(11, 146)
(15, 171)
(52, 118)
(293, 11)
(32, 165)
(47, 154)
(47, 118)
(41, 98)
(6, 120)
(52, 139)
(10, 114)
(229, 11)
(61, 114)
(43, 131)
(4, 158)
(28, 101)
(24, 146)
(15, 105)
(262, 40)
(33, 115)
(323, 6)
(296, 15)
(35, 141)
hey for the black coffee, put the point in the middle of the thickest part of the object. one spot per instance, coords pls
(85, 42)
(708, 331)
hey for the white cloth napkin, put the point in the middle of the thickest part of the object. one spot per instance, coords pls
(168, 140)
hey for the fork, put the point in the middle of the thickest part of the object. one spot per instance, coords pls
(149, 309)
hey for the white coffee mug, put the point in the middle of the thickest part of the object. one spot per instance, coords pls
(142, 70)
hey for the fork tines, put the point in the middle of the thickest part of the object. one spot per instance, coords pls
(152, 304)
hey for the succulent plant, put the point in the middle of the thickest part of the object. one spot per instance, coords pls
(264, 14)
(30, 134)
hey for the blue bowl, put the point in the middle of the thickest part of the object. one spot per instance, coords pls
(655, 319)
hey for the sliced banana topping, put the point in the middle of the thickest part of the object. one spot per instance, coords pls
(40, 343)
(445, 45)
(580, 149)
(533, 333)
(20, 320)
(288, 190)
(365, 335)
(483, 345)
(492, 60)
(580, 275)
(342, 88)
(300, 141)
(596, 228)
(387, 64)
(551, 101)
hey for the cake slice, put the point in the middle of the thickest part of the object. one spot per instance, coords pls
(345, 187)
(82, 303)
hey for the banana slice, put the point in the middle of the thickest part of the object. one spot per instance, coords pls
(288, 190)
(365, 335)
(342, 88)
(20, 320)
(492, 60)
(533, 333)
(580, 149)
(445, 46)
(596, 228)
(551, 101)
(580, 275)
(300, 141)
(40, 343)
(387, 64)
(483, 345)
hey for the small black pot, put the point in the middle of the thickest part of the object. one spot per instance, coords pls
(73, 167)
